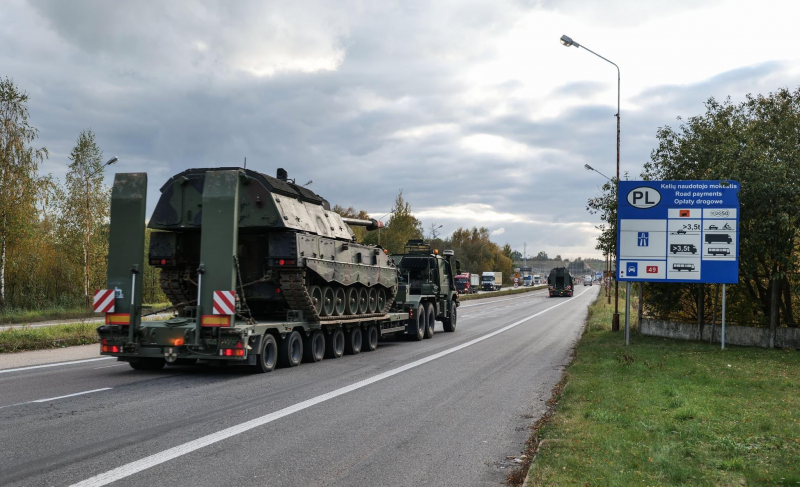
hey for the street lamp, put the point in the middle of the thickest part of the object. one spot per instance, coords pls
(568, 42)
(590, 168)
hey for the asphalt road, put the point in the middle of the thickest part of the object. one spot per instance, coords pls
(445, 411)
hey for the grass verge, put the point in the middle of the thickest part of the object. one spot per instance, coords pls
(22, 316)
(505, 292)
(670, 413)
(56, 336)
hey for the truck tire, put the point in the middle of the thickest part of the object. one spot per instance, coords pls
(352, 345)
(371, 336)
(430, 320)
(314, 347)
(418, 324)
(291, 350)
(449, 323)
(267, 359)
(334, 345)
(148, 364)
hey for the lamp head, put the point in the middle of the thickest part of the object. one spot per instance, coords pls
(112, 160)
(567, 41)
(588, 167)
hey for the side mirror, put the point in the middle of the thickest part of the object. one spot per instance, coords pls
(458, 267)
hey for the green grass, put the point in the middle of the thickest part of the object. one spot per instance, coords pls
(506, 292)
(51, 313)
(56, 336)
(671, 413)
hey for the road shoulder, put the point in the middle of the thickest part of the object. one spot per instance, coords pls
(40, 357)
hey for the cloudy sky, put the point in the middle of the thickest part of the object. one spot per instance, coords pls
(472, 108)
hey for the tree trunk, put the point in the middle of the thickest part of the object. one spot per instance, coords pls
(773, 312)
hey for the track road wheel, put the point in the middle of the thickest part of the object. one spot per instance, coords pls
(363, 300)
(334, 345)
(371, 335)
(328, 303)
(381, 299)
(148, 364)
(351, 300)
(449, 323)
(291, 350)
(267, 359)
(352, 344)
(314, 347)
(430, 320)
(316, 297)
(338, 301)
(372, 300)
(417, 324)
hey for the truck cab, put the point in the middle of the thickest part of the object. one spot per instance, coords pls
(463, 284)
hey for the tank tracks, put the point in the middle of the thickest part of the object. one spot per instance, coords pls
(294, 289)
(176, 286)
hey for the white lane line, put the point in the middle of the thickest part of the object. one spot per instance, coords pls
(5, 371)
(58, 397)
(107, 366)
(145, 463)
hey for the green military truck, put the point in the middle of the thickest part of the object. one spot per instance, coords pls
(259, 271)
(560, 283)
(427, 288)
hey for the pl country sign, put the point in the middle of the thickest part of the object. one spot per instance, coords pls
(678, 231)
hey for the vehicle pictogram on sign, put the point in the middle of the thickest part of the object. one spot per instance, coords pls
(633, 269)
(685, 213)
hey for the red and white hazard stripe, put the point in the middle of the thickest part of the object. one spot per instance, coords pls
(224, 302)
(104, 301)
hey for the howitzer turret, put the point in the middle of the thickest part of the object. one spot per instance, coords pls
(277, 243)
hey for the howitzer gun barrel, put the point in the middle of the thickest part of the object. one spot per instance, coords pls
(371, 224)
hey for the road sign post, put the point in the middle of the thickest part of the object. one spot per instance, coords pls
(678, 231)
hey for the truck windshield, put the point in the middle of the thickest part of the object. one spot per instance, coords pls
(462, 280)
(488, 279)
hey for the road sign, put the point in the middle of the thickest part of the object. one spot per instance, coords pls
(678, 231)
(224, 302)
(104, 301)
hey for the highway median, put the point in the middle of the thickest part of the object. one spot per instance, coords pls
(663, 412)
(502, 292)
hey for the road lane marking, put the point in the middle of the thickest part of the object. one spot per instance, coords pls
(151, 461)
(5, 371)
(533, 293)
(58, 397)
(107, 366)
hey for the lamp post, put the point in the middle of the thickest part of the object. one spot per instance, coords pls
(568, 42)
(88, 227)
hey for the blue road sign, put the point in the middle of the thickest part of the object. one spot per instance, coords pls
(678, 231)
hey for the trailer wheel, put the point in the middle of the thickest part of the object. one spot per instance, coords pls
(268, 358)
(351, 302)
(148, 364)
(291, 350)
(418, 324)
(339, 301)
(334, 345)
(352, 346)
(372, 300)
(371, 342)
(430, 320)
(449, 323)
(314, 347)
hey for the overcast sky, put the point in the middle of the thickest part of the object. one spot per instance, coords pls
(472, 108)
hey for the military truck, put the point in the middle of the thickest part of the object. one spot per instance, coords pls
(559, 282)
(259, 270)
(427, 287)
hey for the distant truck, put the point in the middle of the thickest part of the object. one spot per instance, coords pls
(491, 281)
(537, 279)
(718, 238)
(468, 283)
(587, 280)
(527, 281)
(559, 282)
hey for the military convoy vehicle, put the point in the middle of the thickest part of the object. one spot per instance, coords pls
(259, 271)
(560, 282)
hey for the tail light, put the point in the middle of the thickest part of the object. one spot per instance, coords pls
(230, 352)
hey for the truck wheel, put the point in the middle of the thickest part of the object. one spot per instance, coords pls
(417, 324)
(314, 347)
(352, 346)
(148, 364)
(268, 358)
(351, 301)
(334, 345)
(450, 322)
(291, 350)
(430, 320)
(371, 342)
(372, 300)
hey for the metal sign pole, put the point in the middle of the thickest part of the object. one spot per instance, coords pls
(628, 313)
(723, 317)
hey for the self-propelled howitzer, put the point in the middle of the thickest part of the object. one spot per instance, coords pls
(280, 243)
